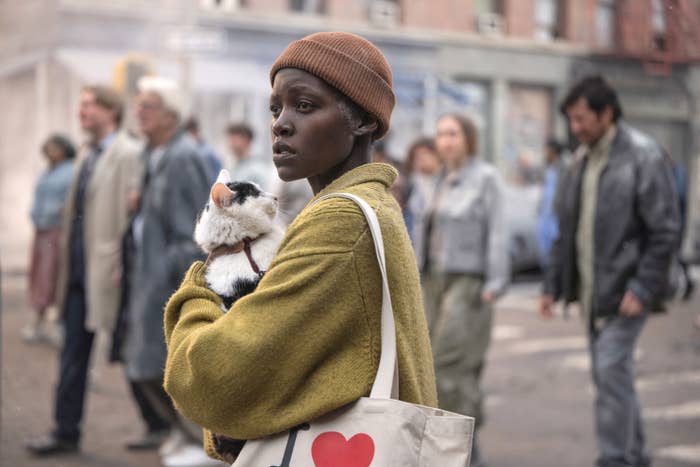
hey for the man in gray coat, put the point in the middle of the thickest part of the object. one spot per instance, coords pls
(175, 188)
(618, 231)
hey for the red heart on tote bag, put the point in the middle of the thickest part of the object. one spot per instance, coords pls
(331, 449)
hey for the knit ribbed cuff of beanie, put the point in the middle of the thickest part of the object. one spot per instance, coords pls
(349, 63)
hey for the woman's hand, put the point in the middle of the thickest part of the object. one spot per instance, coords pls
(488, 297)
(631, 306)
(228, 458)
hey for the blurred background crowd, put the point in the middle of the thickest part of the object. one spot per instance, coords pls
(505, 62)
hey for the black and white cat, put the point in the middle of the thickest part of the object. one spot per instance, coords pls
(237, 222)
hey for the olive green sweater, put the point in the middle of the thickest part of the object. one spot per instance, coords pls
(307, 340)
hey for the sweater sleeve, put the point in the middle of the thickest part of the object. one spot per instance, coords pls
(297, 347)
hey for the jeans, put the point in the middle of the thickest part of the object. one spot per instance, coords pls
(618, 419)
(162, 404)
(74, 364)
(154, 420)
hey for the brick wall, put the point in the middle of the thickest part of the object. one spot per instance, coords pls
(268, 7)
(344, 10)
(634, 26)
(578, 17)
(519, 17)
(450, 15)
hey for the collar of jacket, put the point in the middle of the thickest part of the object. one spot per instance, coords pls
(366, 173)
(618, 150)
(167, 147)
(100, 146)
(603, 147)
(460, 175)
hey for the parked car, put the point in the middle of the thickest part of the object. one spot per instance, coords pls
(521, 206)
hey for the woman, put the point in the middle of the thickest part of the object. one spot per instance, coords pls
(307, 340)
(422, 167)
(49, 196)
(463, 253)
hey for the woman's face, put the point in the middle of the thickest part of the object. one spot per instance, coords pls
(311, 134)
(451, 142)
(53, 153)
(426, 161)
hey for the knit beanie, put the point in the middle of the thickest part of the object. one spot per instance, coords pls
(349, 63)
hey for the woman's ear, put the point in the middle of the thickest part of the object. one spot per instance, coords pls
(367, 126)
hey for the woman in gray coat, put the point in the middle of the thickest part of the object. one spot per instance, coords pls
(461, 246)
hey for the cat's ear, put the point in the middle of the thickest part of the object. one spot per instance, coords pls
(224, 177)
(221, 195)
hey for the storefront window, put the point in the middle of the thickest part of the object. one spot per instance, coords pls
(605, 24)
(528, 125)
(546, 19)
(307, 6)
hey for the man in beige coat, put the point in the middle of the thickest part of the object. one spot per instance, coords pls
(89, 286)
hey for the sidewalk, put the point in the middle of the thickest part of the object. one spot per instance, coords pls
(539, 394)
(29, 373)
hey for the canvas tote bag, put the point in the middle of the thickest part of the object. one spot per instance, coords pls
(376, 431)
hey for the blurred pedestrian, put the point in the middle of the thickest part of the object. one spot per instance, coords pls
(617, 234)
(400, 187)
(175, 186)
(422, 169)
(241, 164)
(379, 153)
(47, 216)
(211, 159)
(526, 171)
(462, 249)
(90, 276)
(680, 185)
(157, 426)
(307, 339)
(547, 222)
(292, 198)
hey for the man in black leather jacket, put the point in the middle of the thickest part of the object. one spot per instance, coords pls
(618, 229)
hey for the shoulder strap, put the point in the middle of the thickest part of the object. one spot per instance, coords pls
(386, 383)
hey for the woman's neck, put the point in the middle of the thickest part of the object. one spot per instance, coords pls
(360, 155)
(458, 164)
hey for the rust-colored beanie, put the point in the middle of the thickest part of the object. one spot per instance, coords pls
(349, 63)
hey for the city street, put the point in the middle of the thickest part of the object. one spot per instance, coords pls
(537, 384)
(540, 396)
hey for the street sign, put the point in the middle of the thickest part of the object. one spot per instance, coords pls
(194, 40)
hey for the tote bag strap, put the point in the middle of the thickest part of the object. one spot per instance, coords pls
(386, 382)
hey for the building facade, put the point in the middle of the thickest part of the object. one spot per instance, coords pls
(505, 62)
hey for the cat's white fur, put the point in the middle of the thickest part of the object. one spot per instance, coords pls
(228, 225)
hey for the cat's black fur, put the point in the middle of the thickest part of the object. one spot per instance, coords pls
(243, 288)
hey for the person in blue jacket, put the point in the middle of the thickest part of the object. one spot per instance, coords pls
(46, 214)
(547, 222)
